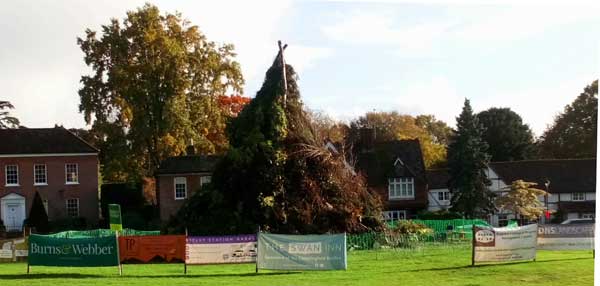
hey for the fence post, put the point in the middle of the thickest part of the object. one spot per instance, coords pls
(473, 245)
(118, 254)
(257, 247)
(186, 253)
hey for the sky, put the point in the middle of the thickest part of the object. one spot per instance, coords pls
(352, 57)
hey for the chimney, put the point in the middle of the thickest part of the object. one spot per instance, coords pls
(190, 150)
(367, 139)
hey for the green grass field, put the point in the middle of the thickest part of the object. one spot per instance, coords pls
(431, 267)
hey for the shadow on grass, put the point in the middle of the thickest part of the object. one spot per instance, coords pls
(83, 276)
(493, 265)
(47, 276)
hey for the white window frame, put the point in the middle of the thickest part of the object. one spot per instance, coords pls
(445, 196)
(401, 188)
(389, 215)
(578, 198)
(67, 182)
(67, 206)
(35, 175)
(205, 180)
(179, 181)
(6, 175)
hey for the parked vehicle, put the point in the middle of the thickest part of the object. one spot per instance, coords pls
(579, 221)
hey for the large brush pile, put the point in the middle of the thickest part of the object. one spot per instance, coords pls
(278, 174)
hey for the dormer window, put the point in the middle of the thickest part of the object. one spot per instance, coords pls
(401, 188)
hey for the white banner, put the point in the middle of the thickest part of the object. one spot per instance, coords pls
(566, 237)
(6, 253)
(220, 249)
(505, 244)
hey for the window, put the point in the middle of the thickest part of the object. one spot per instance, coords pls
(12, 175)
(394, 215)
(46, 206)
(72, 173)
(578, 196)
(443, 196)
(587, 215)
(39, 175)
(73, 207)
(205, 180)
(502, 220)
(401, 188)
(180, 188)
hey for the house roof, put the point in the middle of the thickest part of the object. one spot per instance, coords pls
(188, 164)
(379, 163)
(438, 178)
(565, 176)
(56, 140)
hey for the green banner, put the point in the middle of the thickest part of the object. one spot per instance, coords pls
(301, 252)
(50, 251)
(114, 214)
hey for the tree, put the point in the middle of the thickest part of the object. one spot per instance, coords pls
(437, 129)
(326, 127)
(38, 217)
(155, 85)
(7, 121)
(467, 162)
(522, 199)
(508, 138)
(233, 105)
(278, 175)
(574, 132)
(394, 126)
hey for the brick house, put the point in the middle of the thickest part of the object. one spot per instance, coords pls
(571, 184)
(396, 171)
(54, 162)
(178, 177)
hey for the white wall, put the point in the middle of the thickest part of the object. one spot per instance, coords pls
(434, 203)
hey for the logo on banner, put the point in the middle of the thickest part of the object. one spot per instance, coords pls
(305, 248)
(485, 237)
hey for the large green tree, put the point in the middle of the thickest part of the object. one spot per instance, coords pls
(155, 85)
(508, 138)
(278, 175)
(467, 162)
(574, 132)
(6, 120)
(395, 126)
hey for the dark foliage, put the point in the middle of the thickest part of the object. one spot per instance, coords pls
(468, 161)
(508, 138)
(38, 217)
(574, 132)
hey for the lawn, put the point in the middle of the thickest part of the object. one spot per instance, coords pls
(383, 267)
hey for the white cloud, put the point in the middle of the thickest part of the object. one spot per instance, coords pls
(373, 28)
(519, 22)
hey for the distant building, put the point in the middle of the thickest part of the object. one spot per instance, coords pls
(570, 182)
(177, 178)
(54, 162)
(395, 170)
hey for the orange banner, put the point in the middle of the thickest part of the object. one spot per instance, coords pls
(152, 249)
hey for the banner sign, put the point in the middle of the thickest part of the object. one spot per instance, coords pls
(114, 215)
(13, 249)
(49, 251)
(566, 236)
(220, 249)
(152, 249)
(505, 244)
(301, 252)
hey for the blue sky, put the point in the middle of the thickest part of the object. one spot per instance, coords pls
(352, 57)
